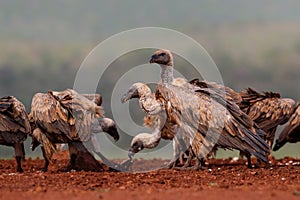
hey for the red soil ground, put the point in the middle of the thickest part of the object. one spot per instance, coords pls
(223, 179)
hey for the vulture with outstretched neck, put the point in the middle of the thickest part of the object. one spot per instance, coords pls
(68, 117)
(291, 132)
(162, 128)
(205, 116)
(14, 126)
(267, 110)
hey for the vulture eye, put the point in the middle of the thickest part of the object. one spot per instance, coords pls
(162, 54)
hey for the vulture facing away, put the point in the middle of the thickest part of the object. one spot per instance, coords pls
(68, 117)
(291, 132)
(14, 126)
(267, 110)
(204, 116)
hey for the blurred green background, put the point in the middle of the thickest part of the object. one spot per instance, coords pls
(254, 44)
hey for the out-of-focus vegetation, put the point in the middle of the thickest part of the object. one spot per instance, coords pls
(42, 44)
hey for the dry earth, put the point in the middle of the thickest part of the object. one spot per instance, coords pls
(223, 179)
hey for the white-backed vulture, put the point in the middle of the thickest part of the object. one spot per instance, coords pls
(267, 110)
(14, 126)
(163, 130)
(67, 117)
(208, 121)
(291, 132)
(147, 101)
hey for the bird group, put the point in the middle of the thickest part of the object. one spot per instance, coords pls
(198, 116)
(201, 116)
(55, 118)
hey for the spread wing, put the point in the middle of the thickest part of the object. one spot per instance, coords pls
(291, 131)
(13, 119)
(201, 116)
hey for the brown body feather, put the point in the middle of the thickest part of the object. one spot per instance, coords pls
(14, 126)
(267, 110)
(63, 117)
(210, 123)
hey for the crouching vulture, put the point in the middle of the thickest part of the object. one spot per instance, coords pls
(14, 126)
(204, 116)
(268, 110)
(291, 132)
(72, 118)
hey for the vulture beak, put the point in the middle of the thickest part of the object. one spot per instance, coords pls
(153, 58)
(277, 146)
(112, 131)
(131, 153)
(34, 144)
(125, 98)
(132, 93)
(106, 125)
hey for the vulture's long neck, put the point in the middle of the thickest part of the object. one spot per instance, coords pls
(166, 74)
(153, 140)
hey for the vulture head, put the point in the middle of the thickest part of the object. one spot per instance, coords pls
(162, 57)
(278, 145)
(137, 90)
(105, 125)
(144, 140)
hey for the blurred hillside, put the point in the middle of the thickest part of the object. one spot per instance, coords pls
(42, 44)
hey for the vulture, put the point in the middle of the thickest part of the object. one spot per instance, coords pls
(149, 104)
(202, 115)
(68, 117)
(291, 132)
(267, 110)
(147, 99)
(14, 126)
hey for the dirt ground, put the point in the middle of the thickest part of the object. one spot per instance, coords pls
(223, 179)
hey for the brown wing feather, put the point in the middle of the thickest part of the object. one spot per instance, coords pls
(227, 92)
(271, 112)
(14, 123)
(291, 132)
(54, 120)
(267, 110)
(192, 111)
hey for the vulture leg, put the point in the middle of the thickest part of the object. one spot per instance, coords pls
(189, 158)
(180, 160)
(200, 164)
(187, 163)
(248, 156)
(176, 153)
(19, 153)
(45, 168)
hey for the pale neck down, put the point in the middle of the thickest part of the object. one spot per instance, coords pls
(154, 139)
(166, 74)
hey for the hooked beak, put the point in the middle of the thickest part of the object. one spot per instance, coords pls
(112, 131)
(34, 144)
(153, 58)
(129, 95)
(130, 154)
(277, 146)
(125, 98)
